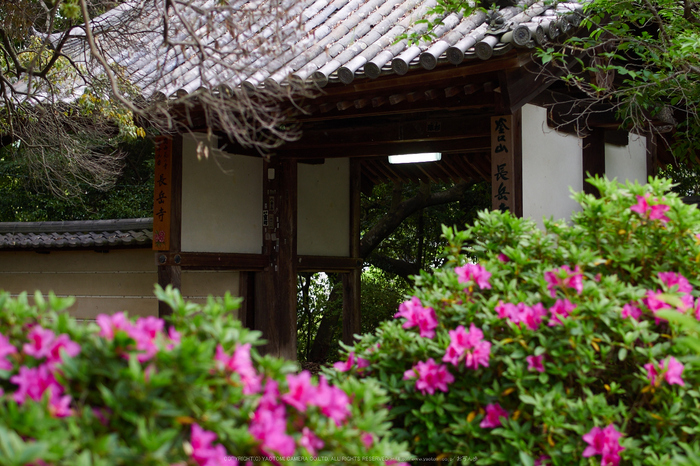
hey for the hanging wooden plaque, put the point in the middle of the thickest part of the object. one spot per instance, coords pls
(502, 163)
(162, 194)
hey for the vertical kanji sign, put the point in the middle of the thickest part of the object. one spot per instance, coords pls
(162, 194)
(502, 163)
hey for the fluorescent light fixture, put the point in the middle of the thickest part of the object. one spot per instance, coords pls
(416, 158)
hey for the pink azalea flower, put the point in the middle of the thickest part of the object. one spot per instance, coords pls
(630, 310)
(59, 406)
(204, 453)
(270, 397)
(670, 368)
(564, 277)
(560, 310)
(101, 415)
(543, 460)
(535, 363)
(367, 440)
(697, 315)
(310, 441)
(174, 337)
(5, 349)
(241, 363)
(33, 382)
(503, 258)
(418, 316)
(352, 359)
(674, 370)
(269, 426)
(301, 392)
(62, 344)
(40, 342)
(332, 400)
(522, 313)
(431, 376)
(110, 324)
(604, 442)
(469, 345)
(671, 279)
(476, 273)
(642, 206)
(652, 212)
(494, 413)
(144, 333)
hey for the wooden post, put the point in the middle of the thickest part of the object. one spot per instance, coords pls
(652, 154)
(246, 290)
(593, 156)
(167, 212)
(276, 287)
(506, 163)
(352, 313)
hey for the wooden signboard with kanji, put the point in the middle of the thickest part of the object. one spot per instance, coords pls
(162, 194)
(503, 192)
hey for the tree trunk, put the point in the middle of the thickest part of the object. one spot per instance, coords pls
(329, 322)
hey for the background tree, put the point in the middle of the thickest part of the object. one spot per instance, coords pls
(65, 106)
(27, 199)
(401, 235)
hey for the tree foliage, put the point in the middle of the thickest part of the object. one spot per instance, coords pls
(26, 198)
(66, 101)
(637, 58)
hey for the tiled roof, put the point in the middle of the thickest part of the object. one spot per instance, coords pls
(76, 235)
(325, 41)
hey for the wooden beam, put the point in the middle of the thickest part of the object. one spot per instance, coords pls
(593, 155)
(214, 260)
(329, 264)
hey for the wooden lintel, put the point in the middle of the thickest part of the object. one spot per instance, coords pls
(456, 145)
(327, 263)
(213, 261)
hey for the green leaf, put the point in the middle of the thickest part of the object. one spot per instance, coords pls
(622, 354)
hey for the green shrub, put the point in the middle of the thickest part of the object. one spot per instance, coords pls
(550, 350)
(126, 392)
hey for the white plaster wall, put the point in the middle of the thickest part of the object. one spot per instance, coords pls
(552, 164)
(324, 208)
(221, 200)
(627, 163)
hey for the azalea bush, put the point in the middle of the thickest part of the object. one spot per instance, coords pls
(192, 391)
(550, 347)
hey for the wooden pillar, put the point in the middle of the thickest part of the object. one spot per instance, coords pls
(276, 286)
(246, 290)
(507, 163)
(167, 213)
(593, 156)
(352, 313)
(652, 154)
